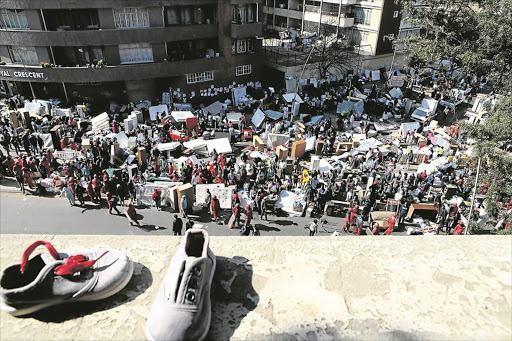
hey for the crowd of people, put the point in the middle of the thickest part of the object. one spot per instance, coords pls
(361, 179)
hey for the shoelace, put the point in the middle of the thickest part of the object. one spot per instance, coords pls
(73, 264)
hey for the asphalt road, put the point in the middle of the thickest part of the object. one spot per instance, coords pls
(53, 215)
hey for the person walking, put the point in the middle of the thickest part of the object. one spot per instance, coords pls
(236, 213)
(215, 205)
(80, 190)
(66, 190)
(177, 225)
(184, 206)
(112, 203)
(313, 227)
(131, 214)
(157, 198)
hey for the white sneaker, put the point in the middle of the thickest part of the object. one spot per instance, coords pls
(182, 308)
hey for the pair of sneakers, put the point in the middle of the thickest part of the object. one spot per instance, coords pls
(181, 310)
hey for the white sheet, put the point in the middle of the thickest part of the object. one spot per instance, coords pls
(158, 109)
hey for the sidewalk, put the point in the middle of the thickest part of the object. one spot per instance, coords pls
(9, 185)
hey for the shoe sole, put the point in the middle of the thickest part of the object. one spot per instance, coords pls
(29, 310)
(207, 329)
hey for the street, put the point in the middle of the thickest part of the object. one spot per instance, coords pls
(53, 215)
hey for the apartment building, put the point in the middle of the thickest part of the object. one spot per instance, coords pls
(52, 47)
(371, 25)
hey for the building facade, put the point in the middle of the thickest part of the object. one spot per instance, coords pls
(55, 48)
(370, 25)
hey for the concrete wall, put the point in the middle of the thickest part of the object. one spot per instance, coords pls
(300, 288)
(108, 36)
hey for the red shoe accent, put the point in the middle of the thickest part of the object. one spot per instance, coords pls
(75, 264)
(31, 249)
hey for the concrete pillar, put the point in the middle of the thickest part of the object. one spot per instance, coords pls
(140, 90)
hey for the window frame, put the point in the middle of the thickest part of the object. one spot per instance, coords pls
(243, 70)
(14, 16)
(199, 77)
(131, 17)
(135, 48)
(17, 58)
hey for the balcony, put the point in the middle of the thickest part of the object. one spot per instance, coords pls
(109, 73)
(111, 36)
(246, 31)
(290, 13)
(346, 20)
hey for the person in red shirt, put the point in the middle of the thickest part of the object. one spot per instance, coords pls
(236, 212)
(27, 176)
(236, 199)
(376, 229)
(391, 224)
(347, 220)
(96, 185)
(459, 229)
(90, 191)
(214, 207)
(353, 215)
(131, 214)
(248, 216)
(157, 198)
(9, 163)
(112, 203)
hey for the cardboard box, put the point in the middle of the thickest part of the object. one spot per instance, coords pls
(298, 149)
(86, 144)
(142, 155)
(14, 120)
(319, 147)
(258, 143)
(188, 191)
(426, 211)
(25, 117)
(282, 153)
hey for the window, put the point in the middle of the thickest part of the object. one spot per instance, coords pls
(13, 19)
(135, 53)
(173, 16)
(360, 39)
(199, 77)
(186, 16)
(198, 15)
(363, 16)
(395, 14)
(23, 55)
(89, 54)
(244, 14)
(251, 13)
(131, 17)
(404, 34)
(243, 70)
(241, 46)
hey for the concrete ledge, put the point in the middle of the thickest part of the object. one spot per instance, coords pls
(300, 288)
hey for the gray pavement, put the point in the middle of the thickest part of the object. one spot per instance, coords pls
(29, 214)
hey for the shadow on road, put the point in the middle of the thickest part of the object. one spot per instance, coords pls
(267, 228)
(283, 222)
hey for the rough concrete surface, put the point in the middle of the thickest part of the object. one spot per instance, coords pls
(298, 288)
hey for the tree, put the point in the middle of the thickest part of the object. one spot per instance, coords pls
(332, 53)
(494, 142)
(476, 36)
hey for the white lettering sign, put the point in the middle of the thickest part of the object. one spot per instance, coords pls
(22, 74)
